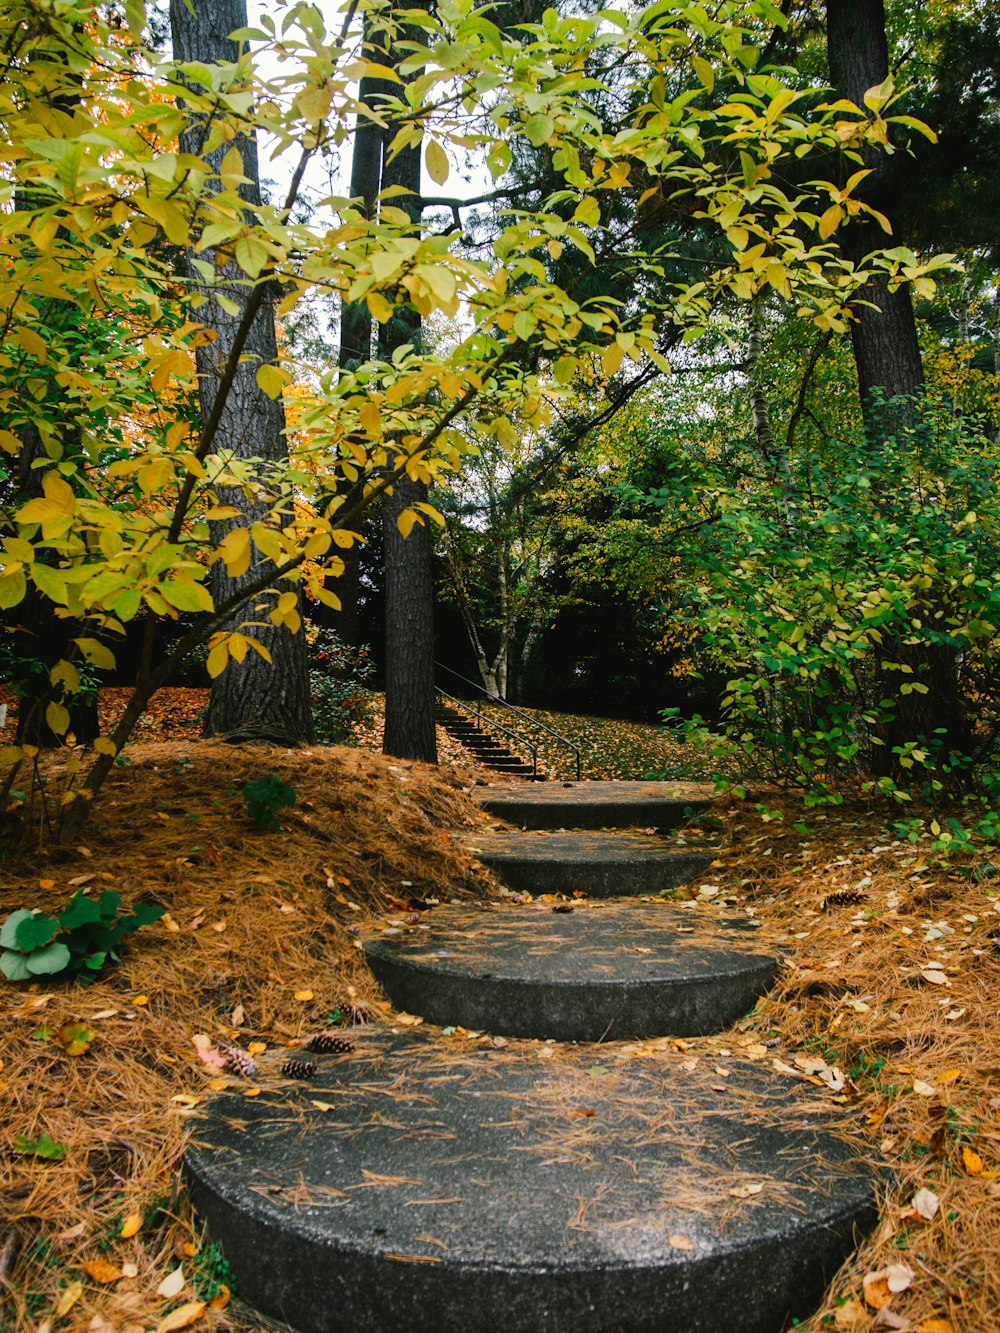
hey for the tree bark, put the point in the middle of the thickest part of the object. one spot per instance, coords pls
(884, 333)
(409, 574)
(253, 699)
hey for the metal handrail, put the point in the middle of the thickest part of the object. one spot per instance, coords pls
(513, 735)
(563, 740)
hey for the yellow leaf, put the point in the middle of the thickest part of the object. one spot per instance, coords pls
(220, 1300)
(96, 653)
(218, 656)
(257, 1048)
(173, 1284)
(322, 1106)
(141, 1000)
(406, 520)
(379, 307)
(76, 1038)
(271, 380)
(99, 1270)
(57, 718)
(437, 162)
(105, 745)
(972, 1162)
(131, 1226)
(234, 550)
(935, 1326)
(303, 995)
(830, 221)
(704, 71)
(183, 1317)
(69, 1298)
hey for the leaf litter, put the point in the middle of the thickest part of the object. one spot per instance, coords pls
(891, 985)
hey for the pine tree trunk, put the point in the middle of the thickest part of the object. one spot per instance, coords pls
(252, 699)
(409, 571)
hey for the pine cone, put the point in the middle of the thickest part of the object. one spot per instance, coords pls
(238, 1062)
(298, 1069)
(848, 898)
(328, 1043)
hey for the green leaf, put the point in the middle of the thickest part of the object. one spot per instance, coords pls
(43, 1146)
(539, 129)
(14, 966)
(81, 911)
(32, 931)
(43, 962)
(146, 913)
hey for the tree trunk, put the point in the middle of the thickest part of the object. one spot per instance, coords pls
(252, 699)
(886, 351)
(887, 356)
(409, 574)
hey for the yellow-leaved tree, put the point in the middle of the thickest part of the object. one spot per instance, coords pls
(120, 229)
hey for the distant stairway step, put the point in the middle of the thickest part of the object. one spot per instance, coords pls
(483, 745)
(554, 805)
(437, 1185)
(601, 865)
(586, 973)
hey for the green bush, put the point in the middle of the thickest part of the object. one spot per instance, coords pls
(338, 673)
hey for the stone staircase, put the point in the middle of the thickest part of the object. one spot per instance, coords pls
(481, 742)
(582, 1170)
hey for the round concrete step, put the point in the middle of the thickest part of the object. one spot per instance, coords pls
(575, 973)
(603, 865)
(555, 805)
(437, 1186)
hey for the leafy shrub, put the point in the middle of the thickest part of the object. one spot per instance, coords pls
(264, 798)
(87, 934)
(338, 673)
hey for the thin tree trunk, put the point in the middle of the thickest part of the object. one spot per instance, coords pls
(252, 699)
(409, 574)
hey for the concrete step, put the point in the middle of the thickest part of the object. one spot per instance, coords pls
(556, 805)
(584, 973)
(603, 865)
(437, 1185)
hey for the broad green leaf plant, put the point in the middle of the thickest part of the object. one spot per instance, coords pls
(112, 483)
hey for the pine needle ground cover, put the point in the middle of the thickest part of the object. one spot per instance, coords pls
(887, 1007)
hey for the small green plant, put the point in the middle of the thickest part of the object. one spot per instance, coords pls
(338, 676)
(265, 798)
(44, 1146)
(87, 934)
(211, 1275)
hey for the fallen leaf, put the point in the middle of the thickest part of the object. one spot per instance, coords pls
(972, 1162)
(221, 1299)
(186, 1099)
(131, 1225)
(172, 1285)
(76, 1038)
(935, 1326)
(69, 1298)
(876, 1287)
(850, 1316)
(322, 1106)
(924, 1089)
(926, 1204)
(257, 1048)
(207, 1053)
(141, 1000)
(681, 1242)
(948, 1076)
(899, 1277)
(183, 1317)
(745, 1191)
(238, 1016)
(887, 1318)
(130, 1270)
(101, 1271)
(303, 995)
(934, 976)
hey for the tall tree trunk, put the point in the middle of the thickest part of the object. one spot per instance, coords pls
(356, 325)
(409, 573)
(252, 699)
(887, 356)
(884, 332)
